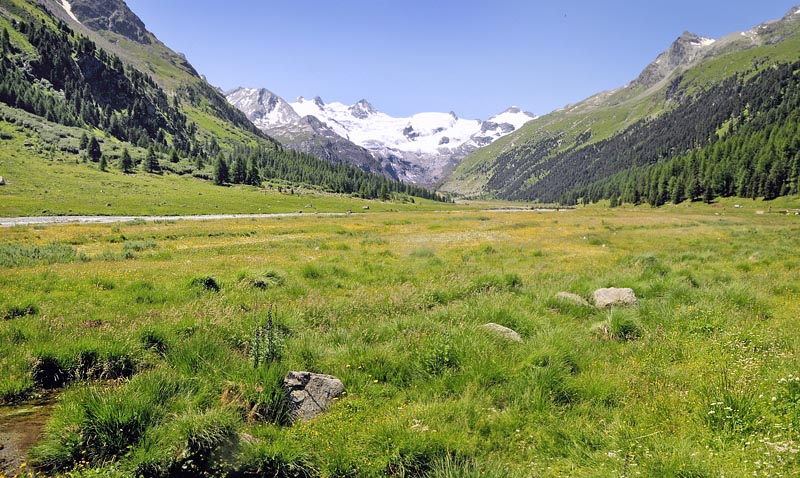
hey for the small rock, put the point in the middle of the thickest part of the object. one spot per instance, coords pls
(620, 297)
(2, 181)
(365, 208)
(309, 394)
(502, 331)
(570, 297)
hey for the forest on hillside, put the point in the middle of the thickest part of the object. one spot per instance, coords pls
(736, 137)
(756, 152)
(64, 77)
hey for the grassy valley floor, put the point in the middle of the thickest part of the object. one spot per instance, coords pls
(149, 329)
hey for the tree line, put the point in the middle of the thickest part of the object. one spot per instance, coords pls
(759, 156)
(716, 141)
(71, 81)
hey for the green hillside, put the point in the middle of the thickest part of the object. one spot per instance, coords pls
(77, 101)
(556, 155)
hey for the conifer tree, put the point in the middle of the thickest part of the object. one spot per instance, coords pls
(151, 162)
(5, 41)
(103, 162)
(221, 173)
(126, 162)
(239, 172)
(253, 176)
(93, 150)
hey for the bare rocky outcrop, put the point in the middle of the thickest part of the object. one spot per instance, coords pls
(310, 394)
(615, 297)
(113, 16)
(501, 331)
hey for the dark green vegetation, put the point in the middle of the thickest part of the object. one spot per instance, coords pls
(171, 366)
(63, 76)
(722, 124)
(757, 155)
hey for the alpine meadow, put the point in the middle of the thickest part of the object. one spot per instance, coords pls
(201, 283)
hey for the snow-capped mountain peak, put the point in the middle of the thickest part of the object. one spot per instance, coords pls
(513, 116)
(362, 110)
(263, 107)
(419, 148)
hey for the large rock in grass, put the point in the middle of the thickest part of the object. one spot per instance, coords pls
(2, 181)
(570, 297)
(310, 394)
(501, 331)
(615, 297)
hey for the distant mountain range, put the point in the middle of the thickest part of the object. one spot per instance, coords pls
(419, 149)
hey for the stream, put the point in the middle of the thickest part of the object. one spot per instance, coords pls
(21, 426)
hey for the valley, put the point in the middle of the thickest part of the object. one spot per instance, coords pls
(199, 283)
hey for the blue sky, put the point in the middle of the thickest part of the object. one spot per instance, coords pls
(472, 57)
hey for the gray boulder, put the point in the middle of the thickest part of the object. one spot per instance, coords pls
(2, 181)
(570, 297)
(615, 297)
(310, 394)
(504, 332)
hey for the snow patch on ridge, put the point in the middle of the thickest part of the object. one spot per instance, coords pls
(704, 42)
(68, 8)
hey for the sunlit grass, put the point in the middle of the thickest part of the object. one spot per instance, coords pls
(392, 304)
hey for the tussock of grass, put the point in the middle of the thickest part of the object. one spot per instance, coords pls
(139, 246)
(204, 283)
(261, 280)
(18, 311)
(17, 255)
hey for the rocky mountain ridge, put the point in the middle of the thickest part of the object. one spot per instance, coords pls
(418, 149)
(530, 163)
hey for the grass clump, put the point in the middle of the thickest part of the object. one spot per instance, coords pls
(138, 246)
(155, 340)
(17, 255)
(497, 283)
(197, 443)
(312, 272)
(269, 456)
(204, 284)
(19, 311)
(439, 355)
(732, 410)
(145, 292)
(261, 280)
(81, 362)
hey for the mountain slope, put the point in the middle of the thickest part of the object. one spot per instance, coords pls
(418, 149)
(583, 143)
(273, 115)
(139, 96)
